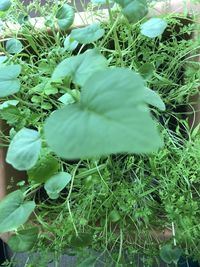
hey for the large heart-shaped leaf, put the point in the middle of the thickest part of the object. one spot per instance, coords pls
(133, 10)
(23, 240)
(14, 211)
(65, 17)
(56, 184)
(9, 83)
(154, 27)
(3, 59)
(24, 149)
(170, 254)
(111, 118)
(80, 67)
(14, 46)
(5, 5)
(87, 34)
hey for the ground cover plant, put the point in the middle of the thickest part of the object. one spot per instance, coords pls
(108, 162)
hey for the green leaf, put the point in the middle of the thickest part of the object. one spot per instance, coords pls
(70, 44)
(14, 211)
(56, 184)
(154, 27)
(89, 262)
(152, 98)
(45, 167)
(14, 46)
(66, 99)
(3, 59)
(11, 115)
(80, 68)
(65, 17)
(170, 254)
(114, 216)
(147, 70)
(8, 103)
(5, 5)
(9, 83)
(133, 10)
(82, 240)
(111, 117)
(87, 34)
(24, 149)
(23, 240)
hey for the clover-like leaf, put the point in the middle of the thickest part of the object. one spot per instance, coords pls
(9, 82)
(133, 10)
(65, 16)
(56, 184)
(14, 46)
(24, 149)
(14, 211)
(70, 44)
(79, 68)
(23, 240)
(5, 5)
(154, 27)
(152, 98)
(111, 117)
(170, 254)
(88, 34)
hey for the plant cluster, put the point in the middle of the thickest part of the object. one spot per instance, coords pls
(108, 162)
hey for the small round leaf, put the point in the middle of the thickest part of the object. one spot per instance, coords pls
(65, 17)
(14, 46)
(154, 27)
(88, 34)
(56, 184)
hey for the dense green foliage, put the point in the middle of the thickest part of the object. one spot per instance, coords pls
(82, 117)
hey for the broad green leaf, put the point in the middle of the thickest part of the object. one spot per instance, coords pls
(56, 184)
(9, 83)
(82, 240)
(3, 59)
(14, 211)
(65, 17)
(154, 27)
(133, 10)
(170, 254)
(46, 166)
(87, 34)
(5, 5)
(147, 70)
(79, 68)
(114, 216)
(111, 117)
(23, 240)
(89, 262)
(24, 149)
(11, 115)
(14, 46)
(70, 44)
(8, 103)
(152, 98)
(66, 99)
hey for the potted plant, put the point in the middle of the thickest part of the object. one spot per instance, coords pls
(75, 103)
